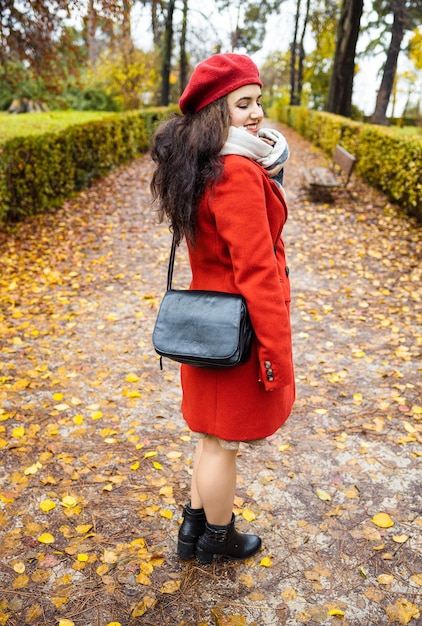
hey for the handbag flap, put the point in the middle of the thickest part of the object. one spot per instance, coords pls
(198, 323)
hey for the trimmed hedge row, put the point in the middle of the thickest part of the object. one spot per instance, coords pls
(386, 161)
(38, 172)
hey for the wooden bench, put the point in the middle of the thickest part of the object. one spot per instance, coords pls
(331, 178)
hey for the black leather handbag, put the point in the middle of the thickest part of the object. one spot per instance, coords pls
(208, 329)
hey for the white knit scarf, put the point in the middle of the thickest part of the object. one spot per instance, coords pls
(270, 157)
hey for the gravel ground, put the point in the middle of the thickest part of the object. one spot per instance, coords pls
(101, 423)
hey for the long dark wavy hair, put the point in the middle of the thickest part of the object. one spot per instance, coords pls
(186, 150)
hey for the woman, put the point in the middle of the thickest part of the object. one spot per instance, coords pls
(217, 180)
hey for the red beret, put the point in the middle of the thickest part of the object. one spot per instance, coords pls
(216, 77)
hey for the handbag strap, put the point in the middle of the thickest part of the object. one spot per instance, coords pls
(171, 263)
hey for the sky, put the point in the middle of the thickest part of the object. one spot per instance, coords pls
(279, 35)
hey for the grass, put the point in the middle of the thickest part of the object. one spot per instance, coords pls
(414, 132)
(24, 124)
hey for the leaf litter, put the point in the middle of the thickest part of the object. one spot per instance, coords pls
(96, 459)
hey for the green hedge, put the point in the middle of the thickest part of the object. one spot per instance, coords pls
(385, 160)
(40, 171)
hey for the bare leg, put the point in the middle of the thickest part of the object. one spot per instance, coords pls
(195, 500)
(214, 481)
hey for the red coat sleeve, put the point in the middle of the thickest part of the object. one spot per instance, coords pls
(246, 211)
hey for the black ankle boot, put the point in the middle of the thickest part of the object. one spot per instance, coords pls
(225, 540)
(191, 529)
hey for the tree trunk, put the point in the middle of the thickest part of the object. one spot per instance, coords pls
(156, 34)
(91, 27)
(384, 93)
(294, 97)
(167, 52)
(183, 78)
(341, 82)
(127, 42)
(302, 53)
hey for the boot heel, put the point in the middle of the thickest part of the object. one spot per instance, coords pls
(191, 529)
(185, 550)
(203, 557)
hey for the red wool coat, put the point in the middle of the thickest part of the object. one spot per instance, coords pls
(239, 224)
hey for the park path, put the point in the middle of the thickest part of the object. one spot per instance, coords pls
(89, 423)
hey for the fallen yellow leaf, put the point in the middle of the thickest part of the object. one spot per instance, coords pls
(109, 557)
(336, 612)
(289, 595)
(20, 581)
(171, 586)
(102, 569)
(58, 601)
(33, 469)
(132, 378)
(385, 579)
(33, 613)
(6, 499)
(409, 427)
(383, 520)
(46, 538)
(247, 580)
(400, 538)
(62, 407)
(83, 557)
(19, 567)
(417, 579)
(140, 608)
(248, 515)
(69, 502)
(47, 505)
(359, 353)
(134, 394)
(266, 562)
(402, 611)
(66, 622)
(82, 529)
(323, 495)
(143, 579)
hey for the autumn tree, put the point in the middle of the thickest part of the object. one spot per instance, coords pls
(183, 78)
(35, 42)
(130, 83)
(341, 82)
(274, 73)
(406, 14)
(248, 30)
(28, 31)
(167, 49)
(297, 54)
(323, 21)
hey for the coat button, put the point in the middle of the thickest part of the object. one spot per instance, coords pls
(269, 372)
(287, 270)
(267, 364)
(270, 379)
